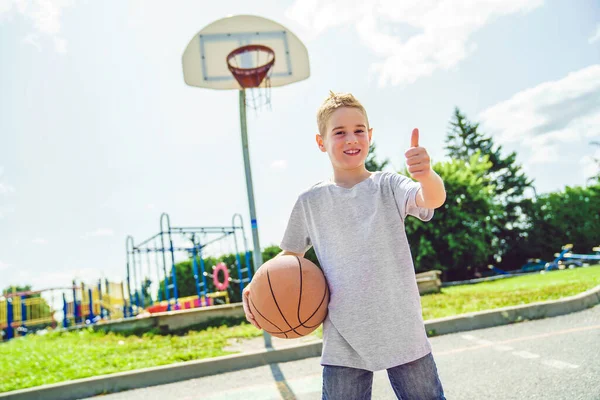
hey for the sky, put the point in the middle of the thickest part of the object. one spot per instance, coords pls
(99, 134)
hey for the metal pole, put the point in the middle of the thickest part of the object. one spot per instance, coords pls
(195, 267)
(10, 331)
(142, 279)
(128, 251)
(173, 276)
(76, 310)
(91, 305)
(23, 313)
(136, 293)
(65, 321)
(257, 252)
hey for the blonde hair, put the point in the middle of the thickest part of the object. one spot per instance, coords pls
(332, 103)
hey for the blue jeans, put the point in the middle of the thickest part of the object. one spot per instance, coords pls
(417, 380)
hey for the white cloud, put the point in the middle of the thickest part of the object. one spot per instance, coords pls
(279, 164)
(39, 241)
(549, 115)
(596, 36)
(45, 15)
(4, 266)
(99, 232)
(436, 33)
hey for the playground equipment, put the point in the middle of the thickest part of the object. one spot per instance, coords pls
(195, 243)
(25, 312)
(566, 259)
(533, 265)
(22, 312)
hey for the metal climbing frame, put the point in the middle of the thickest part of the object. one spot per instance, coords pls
(197, 239)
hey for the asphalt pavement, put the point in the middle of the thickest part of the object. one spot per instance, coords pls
(554, 358)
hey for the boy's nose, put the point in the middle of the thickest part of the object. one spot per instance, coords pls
(350, 139)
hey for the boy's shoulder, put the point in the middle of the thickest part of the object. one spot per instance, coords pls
(378, 177)
(315, 189)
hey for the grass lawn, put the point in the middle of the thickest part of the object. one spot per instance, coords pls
(509, 292)
(60, 356)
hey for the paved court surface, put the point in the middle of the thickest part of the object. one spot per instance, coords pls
(555, 358)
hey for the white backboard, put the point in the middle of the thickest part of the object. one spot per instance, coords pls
(205, 57)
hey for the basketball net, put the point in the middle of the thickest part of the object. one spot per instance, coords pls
(251, 67)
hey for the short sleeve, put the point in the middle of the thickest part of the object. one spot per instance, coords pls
(405, 192)
(296, 238)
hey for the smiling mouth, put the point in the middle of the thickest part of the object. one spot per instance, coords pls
(352, 152)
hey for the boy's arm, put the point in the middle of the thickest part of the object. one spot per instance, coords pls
(432, 193)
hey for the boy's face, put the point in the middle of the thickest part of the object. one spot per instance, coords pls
(346, 139)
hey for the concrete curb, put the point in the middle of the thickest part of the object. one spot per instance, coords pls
(141, 378)
(509, 315)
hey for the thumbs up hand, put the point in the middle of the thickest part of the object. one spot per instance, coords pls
(417, 159)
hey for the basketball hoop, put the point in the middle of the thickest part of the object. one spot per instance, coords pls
(251, 66)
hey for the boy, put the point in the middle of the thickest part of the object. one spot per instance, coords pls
(355, 221)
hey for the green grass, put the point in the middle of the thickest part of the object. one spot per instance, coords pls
(525, 289)
(60, 356)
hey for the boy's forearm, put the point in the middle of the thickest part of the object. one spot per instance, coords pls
(432, 193)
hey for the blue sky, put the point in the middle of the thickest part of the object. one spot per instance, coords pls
(99, 133)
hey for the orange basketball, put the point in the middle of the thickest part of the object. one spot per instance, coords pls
(289, 297)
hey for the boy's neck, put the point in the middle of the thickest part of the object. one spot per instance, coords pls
(349, 178)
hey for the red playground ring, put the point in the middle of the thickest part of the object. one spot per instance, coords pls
(221, 285)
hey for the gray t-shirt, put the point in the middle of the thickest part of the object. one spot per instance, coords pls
(374, 320)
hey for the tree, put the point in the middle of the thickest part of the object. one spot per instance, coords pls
(559, 218)
(145, 292)
(459, 238)
(371, 163)
(597, 161)
(463, 141)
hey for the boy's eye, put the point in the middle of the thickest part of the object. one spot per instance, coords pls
(339, 132)
(359, 131)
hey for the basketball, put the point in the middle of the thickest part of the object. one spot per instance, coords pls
(289, 297)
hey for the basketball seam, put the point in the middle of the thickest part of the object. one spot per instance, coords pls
(267, 319)
(277, 305)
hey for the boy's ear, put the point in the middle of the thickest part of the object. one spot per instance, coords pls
(320, 143)
(370, 134)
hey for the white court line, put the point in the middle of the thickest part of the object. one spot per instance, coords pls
(485, 342)
(559, 364)
(526, 354)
